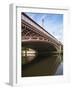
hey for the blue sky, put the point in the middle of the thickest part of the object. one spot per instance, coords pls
(53, 23)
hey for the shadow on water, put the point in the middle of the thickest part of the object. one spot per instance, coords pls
(42, 65)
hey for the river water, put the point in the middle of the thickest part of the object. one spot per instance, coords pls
(42, 65)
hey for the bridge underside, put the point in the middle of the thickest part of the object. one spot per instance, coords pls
(39, 46)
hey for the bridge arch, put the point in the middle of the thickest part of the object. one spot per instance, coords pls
(40, 46)
(36, 37)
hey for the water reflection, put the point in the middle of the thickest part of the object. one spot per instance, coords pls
(28, 55)
(42, 65)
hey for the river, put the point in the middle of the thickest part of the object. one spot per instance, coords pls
(42, 65)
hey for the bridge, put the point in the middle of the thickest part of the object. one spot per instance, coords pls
(36, 37)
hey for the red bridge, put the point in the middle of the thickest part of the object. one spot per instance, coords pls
(36, 37)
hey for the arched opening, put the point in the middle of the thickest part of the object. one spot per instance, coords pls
(32, 49)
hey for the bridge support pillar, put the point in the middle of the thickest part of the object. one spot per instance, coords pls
(59, 51)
